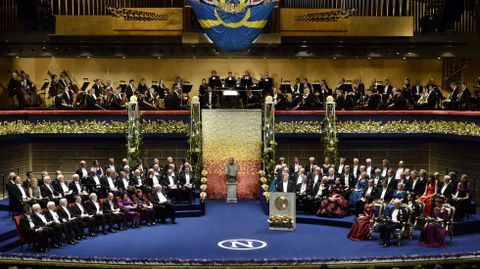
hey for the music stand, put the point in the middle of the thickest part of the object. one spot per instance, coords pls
(85, 84)
(286, 87)
(43, 91)
(317, 87)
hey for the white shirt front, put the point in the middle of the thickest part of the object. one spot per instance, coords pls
(111, 185)
(97, 181)
(112, 167)
(315, 179)
(369, 170)
(56, 219)
(303, 189)
(384, 192)
(187, 178)
(369, 191)
(66, 211)
(285, 186)
(347, 180)
(399, 172)
(299, 179)
(125, 183)
(340, 168)
(162, 199)
(384, 171)
(444, 188)
(97, 206)
(30, 222)
(24, 195)
(82, 210)
(84, 172)
(155, 180)
(320, 190)
(170, 180)
(79, 188)
(355, 169)
(395, 215)
(64, 187)
(42, 217)
(139, 181)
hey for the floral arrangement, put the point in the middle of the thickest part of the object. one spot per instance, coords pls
(82, 127)
(265, 184)
(329, 133)
(203, 186)
(430, 127)
(280, 221)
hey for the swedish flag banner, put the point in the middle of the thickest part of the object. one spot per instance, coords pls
(232, 24)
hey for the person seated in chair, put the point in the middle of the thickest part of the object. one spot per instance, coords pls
(38, 234)
(74, 222)
(18, 195)
(63, 189)
(93, 208)
(62, 224)
(392, 219)
(304, 194)
(170, 182)
(108, 182)
(77, 187)
(144, 207)
(40, 222)
(187, 187)
(369, 190)
(433, 234)
(79, 211)
(49, 191)
(162, 204)
(110, 206)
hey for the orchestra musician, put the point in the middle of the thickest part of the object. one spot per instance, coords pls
(14, 87)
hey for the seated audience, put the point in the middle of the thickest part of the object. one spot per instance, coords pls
(39, 233)
(392, 219)
(144, 207)
(110, 206)
(163, 206)
(101, 219)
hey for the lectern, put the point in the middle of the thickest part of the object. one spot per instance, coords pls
(282, 211)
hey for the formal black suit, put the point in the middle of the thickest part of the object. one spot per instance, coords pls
(16, 199)
(118, 217)
(418, 188)
(75, 223)
(187, 192)
(62, 224)
(39, 237)
(48, 192)
(430, 102)
(54, 231)
(87, 221)
(290, 187)
(388, 194)
(280, 101)
(129, 91)
(163, 209)
(101, 218)
(172, 192)
(209, 100)
(390, 225)
(448, 192)
(92, 102)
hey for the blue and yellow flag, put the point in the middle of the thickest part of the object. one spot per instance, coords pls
(232, 24)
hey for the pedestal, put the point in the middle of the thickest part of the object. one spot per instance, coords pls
(231, 192)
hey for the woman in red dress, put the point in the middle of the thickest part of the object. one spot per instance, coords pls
(335, 206)
(428, 194)
(360, 229)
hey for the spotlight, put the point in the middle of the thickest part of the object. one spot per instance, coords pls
(439, 58)
(334, 58)
(404, 58)
(369, 58)
(123, 57)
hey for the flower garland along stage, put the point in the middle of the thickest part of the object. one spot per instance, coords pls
(181, 127)
(80, 127)
(390, 127)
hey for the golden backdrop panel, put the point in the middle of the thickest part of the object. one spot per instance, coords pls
(237, 134)
(193, 70)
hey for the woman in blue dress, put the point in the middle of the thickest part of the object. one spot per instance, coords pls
(359, 188)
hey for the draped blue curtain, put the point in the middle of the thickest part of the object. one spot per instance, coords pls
(232, 31)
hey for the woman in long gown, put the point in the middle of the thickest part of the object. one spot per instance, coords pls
(361, 185)
(130, 208)
(361, 227)
(461, 199)
(335, 205)
(433, 234)
(428, 194)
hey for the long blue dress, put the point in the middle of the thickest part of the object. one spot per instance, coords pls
(358, 192)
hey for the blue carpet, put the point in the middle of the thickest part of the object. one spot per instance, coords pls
(197, 238)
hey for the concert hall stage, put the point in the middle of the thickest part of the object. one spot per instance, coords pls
(195, 241)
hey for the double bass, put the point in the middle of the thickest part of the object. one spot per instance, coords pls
(28, 91)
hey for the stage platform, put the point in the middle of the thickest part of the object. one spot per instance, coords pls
(195, 241)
